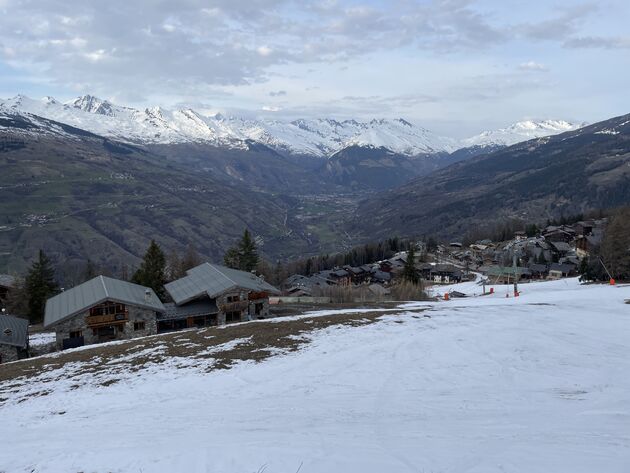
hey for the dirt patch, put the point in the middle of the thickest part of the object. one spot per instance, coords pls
(214, 347)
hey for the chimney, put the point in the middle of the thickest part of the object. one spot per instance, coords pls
(147, 295)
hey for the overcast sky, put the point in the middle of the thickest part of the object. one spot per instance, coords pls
(454, 66)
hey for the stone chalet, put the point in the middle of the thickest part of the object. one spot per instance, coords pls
(210, 294)
(100, 310)
(13, 338)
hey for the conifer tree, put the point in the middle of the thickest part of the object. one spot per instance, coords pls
(244, 255)
(409, 271)
(152, 271)
(40, 285)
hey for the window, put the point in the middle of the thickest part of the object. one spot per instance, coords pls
(233, 298)
(138, 325)
(76, 334)
(232, 317)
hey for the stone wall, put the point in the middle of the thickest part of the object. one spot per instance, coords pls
(8, 353)
(246, 314)
(79, 323)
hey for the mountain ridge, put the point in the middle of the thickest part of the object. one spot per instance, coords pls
(318, 137)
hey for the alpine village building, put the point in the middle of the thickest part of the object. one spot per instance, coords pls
(13, 338)
(105, 309)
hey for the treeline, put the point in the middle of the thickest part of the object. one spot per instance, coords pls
(612, 258)
(357, 256)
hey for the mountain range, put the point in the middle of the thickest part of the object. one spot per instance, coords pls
(322, 137)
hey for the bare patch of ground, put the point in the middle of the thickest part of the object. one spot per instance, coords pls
(208, 349)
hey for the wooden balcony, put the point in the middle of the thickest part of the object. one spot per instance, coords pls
(254, 296)
(236, 306)
(100, 320)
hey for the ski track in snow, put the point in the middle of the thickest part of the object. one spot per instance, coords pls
(537, 383)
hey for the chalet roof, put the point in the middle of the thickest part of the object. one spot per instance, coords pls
(13, 331)
(561, 246)
(213, 280)
(340, 273)
(192, 309)
(381, 276)
(564, 268)
(6, 280)
(444, 268)
(96, 291)
(538, 268)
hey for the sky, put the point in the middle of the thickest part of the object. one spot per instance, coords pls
(456, 67)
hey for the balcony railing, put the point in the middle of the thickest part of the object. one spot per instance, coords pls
(95, 320)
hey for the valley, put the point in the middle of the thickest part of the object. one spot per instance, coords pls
(303, 188)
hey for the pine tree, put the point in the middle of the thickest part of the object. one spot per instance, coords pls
(152, 271)
(40, 285)
(409, 271)
(243, 256)
(248, 253)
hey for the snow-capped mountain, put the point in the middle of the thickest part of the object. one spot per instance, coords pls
(313, 137)
(520, 131)
(316, 137)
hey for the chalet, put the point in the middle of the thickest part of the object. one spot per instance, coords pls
(100, 310)
(539, 271)
(561, 248)
(563, 233)
(585, 244)
(357, 274)
(13, 338)
(445, 274)
(379, 276)
(210, 294)
(7, 282)
(424, 270)
(341, 277)
(561, 270)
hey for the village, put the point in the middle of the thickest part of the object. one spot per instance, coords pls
(105, 309)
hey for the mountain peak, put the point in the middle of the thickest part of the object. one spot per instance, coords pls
(520, 131)
(91, 104)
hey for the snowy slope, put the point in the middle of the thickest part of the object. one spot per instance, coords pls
(535, 384)
(521, 131)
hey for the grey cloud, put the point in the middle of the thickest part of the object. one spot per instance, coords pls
(279, 93)
(597, 42)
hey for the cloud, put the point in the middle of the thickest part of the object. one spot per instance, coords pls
(532, 66)
(279, 93)
(598, 42)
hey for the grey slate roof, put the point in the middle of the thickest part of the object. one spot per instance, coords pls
(13, 331)
(213, 280)
(96, 291)
(192, 309)
(6, 280)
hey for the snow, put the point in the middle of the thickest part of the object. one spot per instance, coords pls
(321, 137)
(531, 384)
(519, 132)
(41, 338)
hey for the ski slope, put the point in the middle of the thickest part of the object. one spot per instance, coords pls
(537, 383)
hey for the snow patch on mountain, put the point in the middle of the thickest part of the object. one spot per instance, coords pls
(519, 132)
